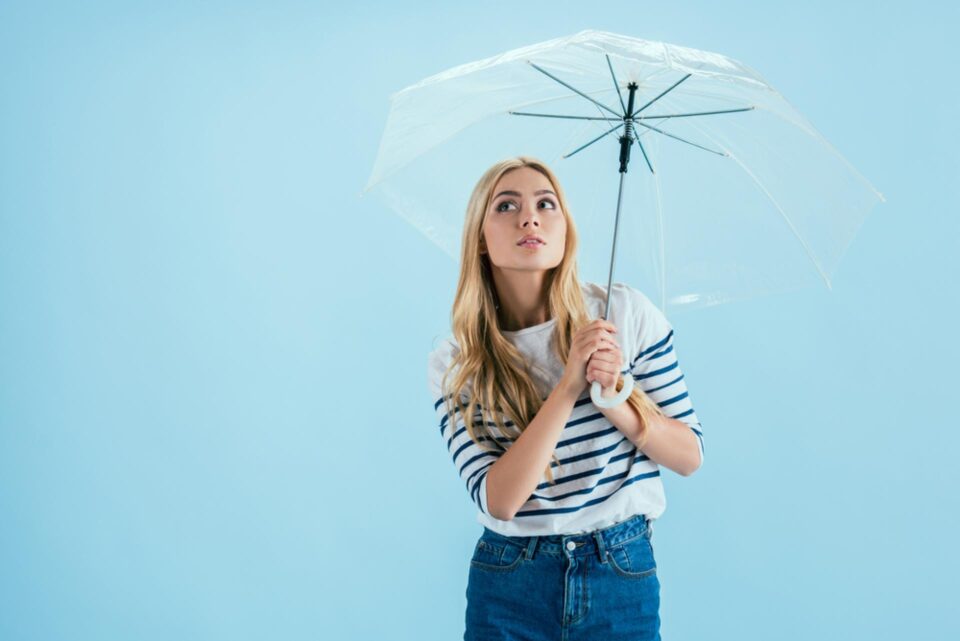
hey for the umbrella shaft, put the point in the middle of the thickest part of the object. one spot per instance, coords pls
(613, 252)
(626, 140)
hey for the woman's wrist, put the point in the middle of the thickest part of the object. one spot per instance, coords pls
(569, 389)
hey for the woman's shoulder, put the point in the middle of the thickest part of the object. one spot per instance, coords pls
(438, 361)
(444, 349)
(439, 366)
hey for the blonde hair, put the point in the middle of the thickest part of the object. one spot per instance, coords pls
(497, 372)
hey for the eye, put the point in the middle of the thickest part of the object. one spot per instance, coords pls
(510, 202)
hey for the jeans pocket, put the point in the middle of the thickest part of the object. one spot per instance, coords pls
(496, 556)
(634, 558)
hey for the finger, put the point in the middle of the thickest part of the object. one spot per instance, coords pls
(606, 325)
(607, 343)
(605, 379)
(604, 368)
(608, 351)
(613, 360)
(604, 356)
(612, 352)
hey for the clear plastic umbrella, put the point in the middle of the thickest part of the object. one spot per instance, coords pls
(734, 193)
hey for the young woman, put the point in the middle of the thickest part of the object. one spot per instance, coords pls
(566, 491)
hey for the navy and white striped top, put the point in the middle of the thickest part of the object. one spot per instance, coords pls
(602, 478)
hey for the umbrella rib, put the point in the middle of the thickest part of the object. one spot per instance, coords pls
(700, 113)
(786, 218)
(524, 113)
(620, 95)
(670, 88)
(719, 153)
(593, 141)
(644, 151)
(796, 233)
(574, 89)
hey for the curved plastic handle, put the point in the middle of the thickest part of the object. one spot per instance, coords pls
(596, 390)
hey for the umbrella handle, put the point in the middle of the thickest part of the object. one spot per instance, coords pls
(596, 390)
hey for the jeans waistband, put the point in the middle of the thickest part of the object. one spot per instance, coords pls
(582, 544)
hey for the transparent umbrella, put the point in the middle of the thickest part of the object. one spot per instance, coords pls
(734, 193)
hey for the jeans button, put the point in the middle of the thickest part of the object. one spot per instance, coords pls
(571, 545)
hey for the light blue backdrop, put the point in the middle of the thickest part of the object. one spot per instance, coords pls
(214, 420)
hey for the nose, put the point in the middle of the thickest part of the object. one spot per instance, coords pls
(531, 216)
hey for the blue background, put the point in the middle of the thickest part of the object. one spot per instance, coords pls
(214, 418)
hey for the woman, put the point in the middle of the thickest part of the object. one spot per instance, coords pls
(566, 491)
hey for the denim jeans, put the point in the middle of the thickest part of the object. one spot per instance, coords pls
(576, 587)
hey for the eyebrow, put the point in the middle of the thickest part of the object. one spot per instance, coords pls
(517, 193)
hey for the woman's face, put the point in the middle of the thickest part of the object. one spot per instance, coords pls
(524, 203)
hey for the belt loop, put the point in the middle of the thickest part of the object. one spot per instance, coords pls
(601, 546)
(531, 547)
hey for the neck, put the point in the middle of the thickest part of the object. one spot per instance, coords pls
(523, 299)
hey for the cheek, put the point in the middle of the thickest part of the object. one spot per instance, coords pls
(491, 235)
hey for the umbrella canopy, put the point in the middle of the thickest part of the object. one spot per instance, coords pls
(732, 192)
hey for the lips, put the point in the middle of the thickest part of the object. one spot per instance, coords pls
(529, 238)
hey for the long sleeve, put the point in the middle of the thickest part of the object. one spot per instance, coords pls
(655, 365)
(470, 460)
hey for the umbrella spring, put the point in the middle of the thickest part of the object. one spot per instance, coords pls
(628, 130)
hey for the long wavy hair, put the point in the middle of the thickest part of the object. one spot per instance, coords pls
(497, 374)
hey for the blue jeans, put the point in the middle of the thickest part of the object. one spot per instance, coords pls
(577, 587)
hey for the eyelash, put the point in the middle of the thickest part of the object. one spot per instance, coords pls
(505, 202)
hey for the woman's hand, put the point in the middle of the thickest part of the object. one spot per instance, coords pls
(605, 366)
(595, 335)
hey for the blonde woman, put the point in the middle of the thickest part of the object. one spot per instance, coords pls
(566, 492)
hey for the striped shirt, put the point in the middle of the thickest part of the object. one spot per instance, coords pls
(602, 478)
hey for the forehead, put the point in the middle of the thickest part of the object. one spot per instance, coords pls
(524, 180)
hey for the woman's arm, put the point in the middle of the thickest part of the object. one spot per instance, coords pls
(516, 474)
(670, 442)
(676, 439)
